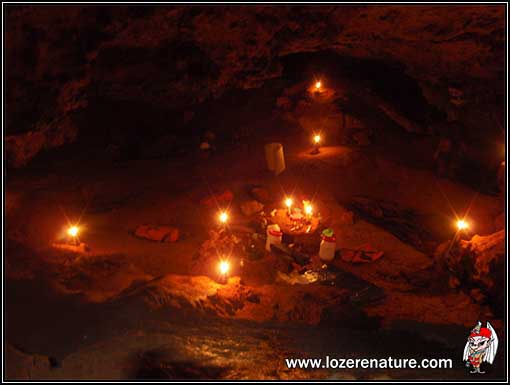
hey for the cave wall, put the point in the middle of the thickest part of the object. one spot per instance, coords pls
(62, 62)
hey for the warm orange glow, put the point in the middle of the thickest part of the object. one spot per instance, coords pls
(224, 267)
(462, 224)
(318, 85)
(73, 231)
(288, 203)
(317, 139)
(308, 209)
(223, 217)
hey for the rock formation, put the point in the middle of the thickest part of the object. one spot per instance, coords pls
(477, 266)
(71, 71)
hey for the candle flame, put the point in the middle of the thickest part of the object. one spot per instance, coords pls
(73, 231)
(288, 202)
(317, 138)
(308, 209)
(462, 224)
(224, 267)
(223, 217)
(318, 85)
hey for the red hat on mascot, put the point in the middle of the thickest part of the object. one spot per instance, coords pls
(479, 331)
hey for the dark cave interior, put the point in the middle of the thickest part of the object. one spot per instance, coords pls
(138, 124)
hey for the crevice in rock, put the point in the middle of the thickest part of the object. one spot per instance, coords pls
(385, 79)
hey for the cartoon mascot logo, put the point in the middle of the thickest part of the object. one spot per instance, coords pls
(481, 346)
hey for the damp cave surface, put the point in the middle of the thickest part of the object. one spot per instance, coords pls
(141, 125)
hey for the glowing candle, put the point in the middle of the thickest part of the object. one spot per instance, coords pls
(316, 143)
(318, 85)
(223, 217)
(308, 210)
(462, 225)
(73, 231)
(223, 268)
(288, 203)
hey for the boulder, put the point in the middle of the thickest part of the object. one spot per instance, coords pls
(477, 266)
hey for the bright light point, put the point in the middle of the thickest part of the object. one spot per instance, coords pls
(318, 84)
(73, 231)
(317, 139)
(308, 209)
(223, 217)
(462, 224)
(288, 202)
(224, 267)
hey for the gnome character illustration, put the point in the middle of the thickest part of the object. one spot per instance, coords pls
(481, 346)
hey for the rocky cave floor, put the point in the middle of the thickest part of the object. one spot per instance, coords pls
(135, 308)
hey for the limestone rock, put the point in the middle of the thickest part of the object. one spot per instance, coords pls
(477, 264)
(24, 366)
(113, 50)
